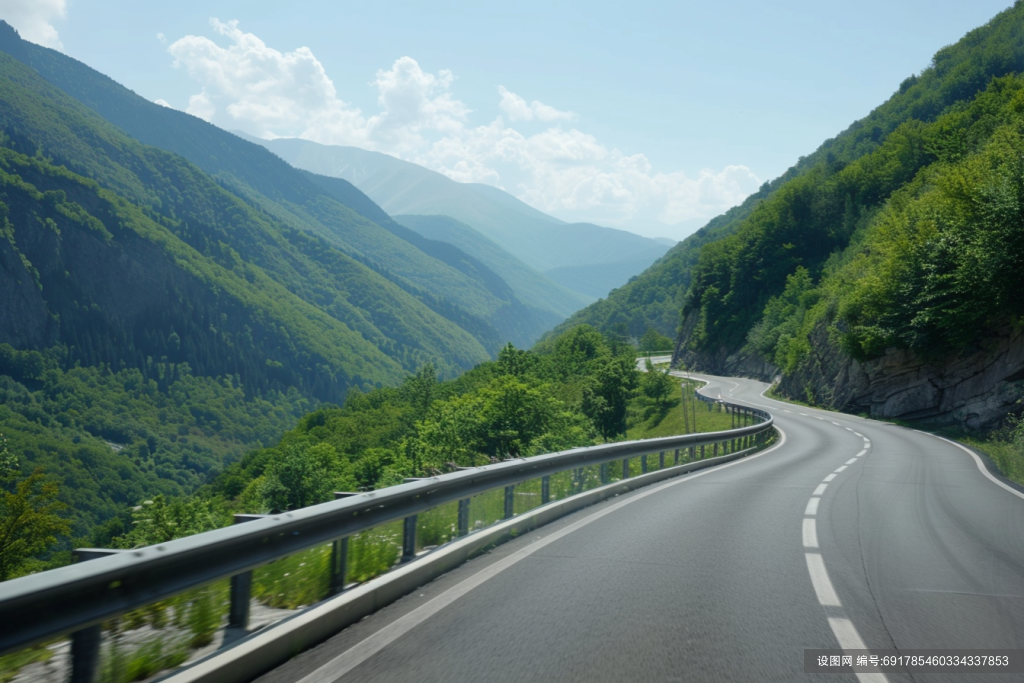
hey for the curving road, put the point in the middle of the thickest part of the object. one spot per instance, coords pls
(850, 532)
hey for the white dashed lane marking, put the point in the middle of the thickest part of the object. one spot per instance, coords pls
(842, 628)
(812, 506)
(810, 533)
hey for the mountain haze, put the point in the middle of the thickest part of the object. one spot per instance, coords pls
(546, 244)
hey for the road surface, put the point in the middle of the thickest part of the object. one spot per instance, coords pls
(849, 532)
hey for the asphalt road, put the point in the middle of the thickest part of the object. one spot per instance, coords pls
(850, 532)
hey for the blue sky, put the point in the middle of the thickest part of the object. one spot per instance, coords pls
(649, 116)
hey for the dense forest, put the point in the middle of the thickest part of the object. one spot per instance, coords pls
(934, 269)
(156, 322)
(109, 441)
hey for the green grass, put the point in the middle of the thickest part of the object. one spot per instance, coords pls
(11, 664)
(295, 581)
(670, 421)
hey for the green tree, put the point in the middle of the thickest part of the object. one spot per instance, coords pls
(516, 362)
(422, 390)
(304, 475)
(160, 520)
(657, 385)
(654, 341)
(29, 519)
(512, 414)
(448, 435)
(606, 398)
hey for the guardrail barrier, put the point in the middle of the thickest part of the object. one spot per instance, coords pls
(185, 583)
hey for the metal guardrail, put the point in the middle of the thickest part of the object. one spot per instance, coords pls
(76, 599)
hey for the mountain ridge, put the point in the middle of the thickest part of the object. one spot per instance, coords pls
(260, 177)
(541, 241)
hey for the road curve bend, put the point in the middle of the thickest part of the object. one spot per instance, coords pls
(848, 533)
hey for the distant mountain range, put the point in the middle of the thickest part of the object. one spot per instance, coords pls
(583, 258)
(330, 290)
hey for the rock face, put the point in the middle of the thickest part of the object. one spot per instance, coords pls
(743, 363)
(976, 388)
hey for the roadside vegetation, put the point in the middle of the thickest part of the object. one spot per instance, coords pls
(578, 389)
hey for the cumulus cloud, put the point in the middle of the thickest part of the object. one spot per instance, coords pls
(517, 109)
(163, 103)
(249, 85)
(34, 19)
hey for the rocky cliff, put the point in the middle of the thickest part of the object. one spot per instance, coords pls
(975, 388)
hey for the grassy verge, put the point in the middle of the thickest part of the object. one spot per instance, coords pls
(11, 664)
(649, 420)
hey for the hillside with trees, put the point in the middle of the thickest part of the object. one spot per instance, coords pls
(804, 230)
(157, 323)
(327, 210)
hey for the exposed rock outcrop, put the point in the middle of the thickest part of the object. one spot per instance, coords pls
(744, 363)
(975, 389)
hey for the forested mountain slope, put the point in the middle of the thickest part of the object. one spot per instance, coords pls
(143, 304)
(738, 276)
(887, 276)
(337, 214)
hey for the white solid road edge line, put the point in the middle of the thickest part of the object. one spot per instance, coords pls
(377, 641)
(977, 461)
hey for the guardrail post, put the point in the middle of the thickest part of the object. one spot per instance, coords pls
(661, 460)
(604, 473)
(339, 565)
(509, 501)
(408, 538)
(676, 461)
(463, 517)
(714, 453)
(643, 464)
(625, 468)
(85, 643)
(702, 451)
(241, 595)
(545, 490)
(339, 554)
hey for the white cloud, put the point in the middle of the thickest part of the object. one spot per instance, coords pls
(517, 108)
(34, 19)
(249, 85)
(163, 103)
